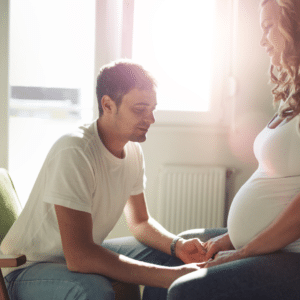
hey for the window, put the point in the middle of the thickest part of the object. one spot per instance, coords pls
(51, 78)
(188, 48)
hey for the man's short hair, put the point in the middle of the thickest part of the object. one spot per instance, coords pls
(119, 78)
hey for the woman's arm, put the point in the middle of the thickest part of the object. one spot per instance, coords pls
(217, 244)
(284, 230)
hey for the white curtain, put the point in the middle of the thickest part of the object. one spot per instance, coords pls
(114, 23)
(4, 86)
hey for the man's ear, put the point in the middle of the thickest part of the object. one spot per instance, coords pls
(108, 105)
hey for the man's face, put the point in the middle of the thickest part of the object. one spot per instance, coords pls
(135, 115)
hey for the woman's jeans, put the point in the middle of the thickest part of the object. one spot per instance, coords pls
(275, 276)
(267, 277)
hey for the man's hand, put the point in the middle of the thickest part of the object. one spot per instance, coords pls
(217, 244)
(172, 273)
(190, 251)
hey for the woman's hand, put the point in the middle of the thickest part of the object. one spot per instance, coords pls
(190, 251)
(217, 244)
(223, 257)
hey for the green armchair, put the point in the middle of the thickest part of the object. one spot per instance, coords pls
(9, 210)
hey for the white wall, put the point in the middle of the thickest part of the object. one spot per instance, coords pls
(4, 91)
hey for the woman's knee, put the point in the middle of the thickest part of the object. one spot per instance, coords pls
(202, 233)
(188, 287)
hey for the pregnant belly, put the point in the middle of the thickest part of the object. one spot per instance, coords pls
(257, 204)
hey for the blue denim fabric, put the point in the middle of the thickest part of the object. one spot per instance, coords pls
(151, 293)
(268, 277)
(45, 281)
(132, 248)
(54, 281)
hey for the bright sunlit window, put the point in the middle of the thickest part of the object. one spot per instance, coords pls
(176, 40)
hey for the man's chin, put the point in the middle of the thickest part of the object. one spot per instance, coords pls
(139, 139)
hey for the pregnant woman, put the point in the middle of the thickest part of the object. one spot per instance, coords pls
(258, 257)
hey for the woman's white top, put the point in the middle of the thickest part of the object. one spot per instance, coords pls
(271, 188)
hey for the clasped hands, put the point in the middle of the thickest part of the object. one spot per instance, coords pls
(215, 251)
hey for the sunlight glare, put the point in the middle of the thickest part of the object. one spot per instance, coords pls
(182, 40)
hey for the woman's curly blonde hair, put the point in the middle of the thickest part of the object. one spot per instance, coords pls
(287, 82)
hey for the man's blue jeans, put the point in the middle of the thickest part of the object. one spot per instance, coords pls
(45, 281)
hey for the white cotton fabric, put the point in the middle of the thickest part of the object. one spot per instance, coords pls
(78, 173)
(271, 188)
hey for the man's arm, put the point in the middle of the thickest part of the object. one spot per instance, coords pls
(152, 234)
(84, 256)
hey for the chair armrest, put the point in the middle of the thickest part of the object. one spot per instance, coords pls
(125, 291)
(9, 261)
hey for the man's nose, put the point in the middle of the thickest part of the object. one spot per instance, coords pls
(151, 118)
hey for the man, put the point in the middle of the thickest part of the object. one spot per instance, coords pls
(89, 177)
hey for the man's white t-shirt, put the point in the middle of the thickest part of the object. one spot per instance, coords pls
(81, 174)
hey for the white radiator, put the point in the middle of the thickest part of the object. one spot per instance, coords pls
(191, 197)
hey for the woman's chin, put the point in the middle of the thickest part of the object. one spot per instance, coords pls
(275, 61)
